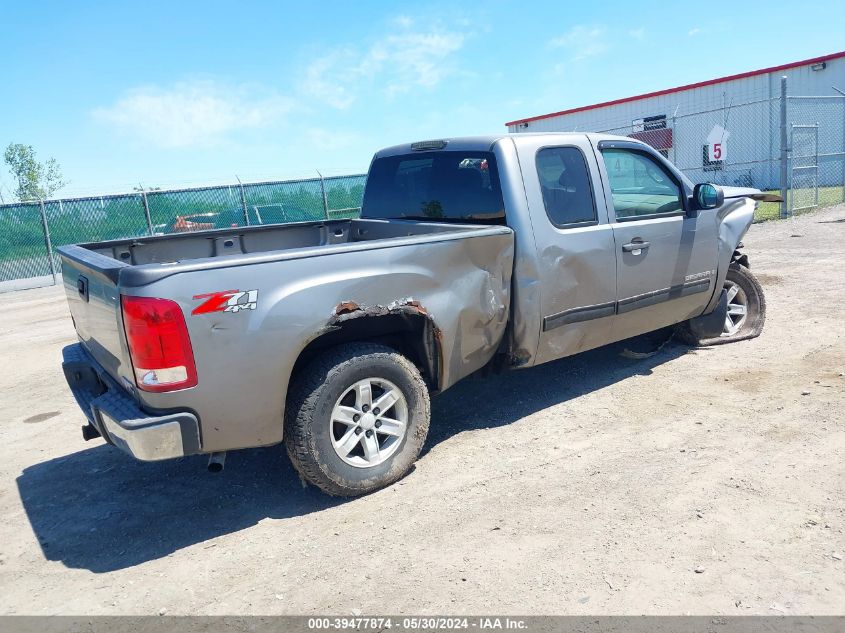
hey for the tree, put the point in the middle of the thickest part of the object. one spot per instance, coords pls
(35, 180)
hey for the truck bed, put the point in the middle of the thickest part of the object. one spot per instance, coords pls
(237, 246)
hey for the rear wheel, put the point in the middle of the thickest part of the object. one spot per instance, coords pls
(746, 310)
(357, 417)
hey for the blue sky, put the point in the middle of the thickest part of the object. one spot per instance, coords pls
(169, 93)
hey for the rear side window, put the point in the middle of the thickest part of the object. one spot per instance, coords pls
(565, 183)
(437, 186)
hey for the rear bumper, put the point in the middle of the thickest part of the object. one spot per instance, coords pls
(118, 417)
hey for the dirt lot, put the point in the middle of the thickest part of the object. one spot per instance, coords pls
(591, 485)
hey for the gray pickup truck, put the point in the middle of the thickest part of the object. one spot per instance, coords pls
(497, 252)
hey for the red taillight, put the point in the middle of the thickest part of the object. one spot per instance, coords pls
(158, 344)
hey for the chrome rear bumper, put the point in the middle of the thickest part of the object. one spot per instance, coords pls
(118, 417)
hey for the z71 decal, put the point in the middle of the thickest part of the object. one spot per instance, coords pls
(227, 301)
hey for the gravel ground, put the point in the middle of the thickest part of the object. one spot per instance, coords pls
(695, 481)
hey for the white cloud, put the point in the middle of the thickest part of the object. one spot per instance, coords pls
(396, 63)
(325, 82)
(192, 113)
(403, 21)
(414, 59)
(637, 34)
(693, 32)
(583, 42)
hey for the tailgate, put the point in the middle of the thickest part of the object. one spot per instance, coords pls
(90, 281)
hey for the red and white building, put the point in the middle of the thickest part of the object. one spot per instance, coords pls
(741, 110)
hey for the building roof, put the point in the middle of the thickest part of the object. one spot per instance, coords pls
(700, 84)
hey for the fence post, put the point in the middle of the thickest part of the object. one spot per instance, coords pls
(47, 242)
(325, 197)
(243, 201)
(842, 153)
(675, 135)
(147, 211)
(784, 151)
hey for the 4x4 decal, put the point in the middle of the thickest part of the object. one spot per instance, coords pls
(227, 301)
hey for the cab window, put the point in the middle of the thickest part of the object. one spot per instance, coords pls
(565, 183)
(640, 185)
(444, 186)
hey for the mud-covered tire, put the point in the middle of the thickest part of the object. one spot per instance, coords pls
(314, 398)
(750, 294)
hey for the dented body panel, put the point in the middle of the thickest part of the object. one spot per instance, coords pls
(575, 265)
(520, 292)
(733, 219)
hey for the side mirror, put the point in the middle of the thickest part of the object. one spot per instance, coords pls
(708, 196)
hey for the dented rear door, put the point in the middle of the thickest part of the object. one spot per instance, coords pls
(575, 247)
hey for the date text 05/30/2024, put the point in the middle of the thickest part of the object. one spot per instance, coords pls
(416, 623)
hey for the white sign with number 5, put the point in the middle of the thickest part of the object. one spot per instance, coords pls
(717, 144)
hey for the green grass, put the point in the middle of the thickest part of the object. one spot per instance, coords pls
(828, 196)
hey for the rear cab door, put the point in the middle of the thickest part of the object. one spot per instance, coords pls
(574, 240)
(665, 256)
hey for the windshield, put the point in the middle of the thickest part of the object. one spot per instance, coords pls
(439, 186)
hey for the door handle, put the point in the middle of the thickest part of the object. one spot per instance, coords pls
(635, 247)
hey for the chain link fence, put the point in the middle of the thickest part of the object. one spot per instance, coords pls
(817, 151)
(31, 231)
(790, 145)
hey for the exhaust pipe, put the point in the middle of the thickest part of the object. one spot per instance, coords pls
(216, 461)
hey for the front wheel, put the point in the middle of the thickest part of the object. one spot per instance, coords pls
(357, 417)
(746, 309)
